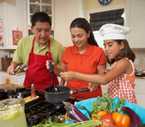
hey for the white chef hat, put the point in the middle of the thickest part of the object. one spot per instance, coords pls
(113, 32)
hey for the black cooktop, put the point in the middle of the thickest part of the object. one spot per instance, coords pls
(39, 110)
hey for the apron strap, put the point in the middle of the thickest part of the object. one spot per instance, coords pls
(48, 53)
(33, 41)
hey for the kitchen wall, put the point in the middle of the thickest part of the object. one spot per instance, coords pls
(136, 21)
(135, 16)
(91, 6)
(14, 15)
(64, 12)
(140, 58)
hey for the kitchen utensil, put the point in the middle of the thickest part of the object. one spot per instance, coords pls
(20, 68)
(60, 93)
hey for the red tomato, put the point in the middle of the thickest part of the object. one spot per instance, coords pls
(107, 121)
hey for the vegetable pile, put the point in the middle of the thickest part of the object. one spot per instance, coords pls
(106, 113)
(114, 115)
(89, 123)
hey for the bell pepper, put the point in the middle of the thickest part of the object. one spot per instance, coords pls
(121, 120)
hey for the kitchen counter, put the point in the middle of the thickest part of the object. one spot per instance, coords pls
(140, 90)
(16, 79)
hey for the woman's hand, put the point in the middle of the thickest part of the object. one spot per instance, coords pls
(67, 75)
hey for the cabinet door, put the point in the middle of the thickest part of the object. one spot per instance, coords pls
(136, 21)
(140, 91)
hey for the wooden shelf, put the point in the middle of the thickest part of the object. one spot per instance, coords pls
(8, 48)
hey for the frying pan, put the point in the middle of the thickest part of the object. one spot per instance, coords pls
(59, 94)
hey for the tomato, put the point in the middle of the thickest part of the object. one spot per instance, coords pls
(107, 121)
(107, 117)
(121, 120)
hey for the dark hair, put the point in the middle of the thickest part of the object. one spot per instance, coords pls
(40, 17)
(125, 52)
(84, 24)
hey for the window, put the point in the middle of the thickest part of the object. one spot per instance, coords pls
(39, 5)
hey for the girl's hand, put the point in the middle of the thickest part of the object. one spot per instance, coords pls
(67, 75)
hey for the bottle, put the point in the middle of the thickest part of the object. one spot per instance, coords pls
(33, 94)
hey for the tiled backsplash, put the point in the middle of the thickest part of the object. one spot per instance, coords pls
(140, 58)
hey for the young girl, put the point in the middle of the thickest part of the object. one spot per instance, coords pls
(121, 77)
(83, 56)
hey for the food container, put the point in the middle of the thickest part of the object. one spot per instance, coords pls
(12, 113)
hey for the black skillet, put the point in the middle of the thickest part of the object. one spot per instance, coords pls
(59, 94)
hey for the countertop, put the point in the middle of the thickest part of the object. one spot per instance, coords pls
(16, 79)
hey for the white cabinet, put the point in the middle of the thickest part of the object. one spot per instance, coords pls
(140, 91)
(135, 16)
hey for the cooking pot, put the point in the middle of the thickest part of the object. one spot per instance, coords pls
(59, 94)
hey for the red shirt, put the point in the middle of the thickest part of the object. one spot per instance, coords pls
(83, 63)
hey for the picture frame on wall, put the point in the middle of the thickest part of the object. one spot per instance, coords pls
(1, 40)
(16, 36)
(1, 32)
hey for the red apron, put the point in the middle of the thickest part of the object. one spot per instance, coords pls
(37, 73)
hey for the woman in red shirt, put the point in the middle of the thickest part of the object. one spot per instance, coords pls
(83, 56)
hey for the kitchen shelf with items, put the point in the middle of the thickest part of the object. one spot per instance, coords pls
(6, 57)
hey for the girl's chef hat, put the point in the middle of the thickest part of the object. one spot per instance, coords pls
(113, 32)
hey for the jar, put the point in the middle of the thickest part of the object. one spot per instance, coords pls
(12, 113)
